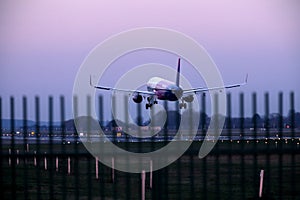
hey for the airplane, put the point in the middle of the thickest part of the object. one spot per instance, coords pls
(162, 89)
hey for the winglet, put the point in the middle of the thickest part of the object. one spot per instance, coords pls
(91, 81)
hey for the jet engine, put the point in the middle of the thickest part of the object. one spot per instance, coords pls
(137, 98)
(189, 98)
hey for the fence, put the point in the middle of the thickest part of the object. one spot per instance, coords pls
(256, 157)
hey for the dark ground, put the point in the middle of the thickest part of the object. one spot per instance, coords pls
(230, 171)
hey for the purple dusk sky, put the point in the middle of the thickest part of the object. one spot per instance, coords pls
(43, 43)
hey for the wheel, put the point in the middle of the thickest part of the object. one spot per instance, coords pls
(148, 105)
(155, 102)
(180, 105)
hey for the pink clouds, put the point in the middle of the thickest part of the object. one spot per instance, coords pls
(256, 36)
(67, 25)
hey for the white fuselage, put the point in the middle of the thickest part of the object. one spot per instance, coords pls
(164, 89)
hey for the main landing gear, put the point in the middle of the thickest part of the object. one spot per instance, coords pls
(182, 105)
(148, 105)
(151, 101)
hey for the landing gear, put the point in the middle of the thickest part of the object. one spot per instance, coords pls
(151, 101)
(182, 105)
(148, 105)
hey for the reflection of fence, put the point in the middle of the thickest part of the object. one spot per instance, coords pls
(52, 163)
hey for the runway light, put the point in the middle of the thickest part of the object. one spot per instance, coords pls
(238, 141)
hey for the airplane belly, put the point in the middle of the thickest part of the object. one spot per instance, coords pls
(164, 95)
(161, 95)
(172, 97)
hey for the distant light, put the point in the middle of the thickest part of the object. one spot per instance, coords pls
(18, 132)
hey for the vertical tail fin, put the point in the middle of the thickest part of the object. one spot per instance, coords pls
(178, 73)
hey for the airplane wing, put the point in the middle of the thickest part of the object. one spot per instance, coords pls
(121, 90)
(203, 89)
